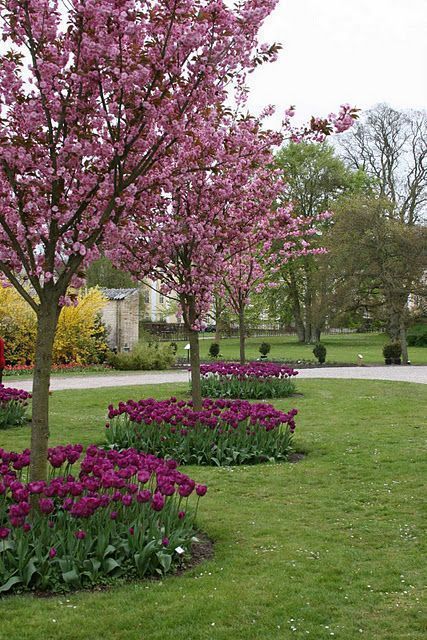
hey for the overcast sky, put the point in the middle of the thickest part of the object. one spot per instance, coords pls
(334, 51)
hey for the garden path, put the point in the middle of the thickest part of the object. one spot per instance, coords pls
(402, 374)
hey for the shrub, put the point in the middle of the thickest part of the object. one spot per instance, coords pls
(143, 357)
(255, 380)
(417, 335)
(319, 352)
(13, 407)
(123, 514)
(214, 350)
(392, 351)
(17, 326)
(225, 432)
(80, 335)
(264, 348)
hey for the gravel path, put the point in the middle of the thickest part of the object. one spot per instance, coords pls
(397, 373)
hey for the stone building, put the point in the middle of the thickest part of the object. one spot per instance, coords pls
(121, 316)
(157, 307)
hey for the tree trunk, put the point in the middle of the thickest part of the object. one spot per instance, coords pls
(196, 391)
(300, 329)
(403, 342)
(218, 318)
(242, 335)
(47, 319)
(316, 334)
(296, 307)
(394, 325)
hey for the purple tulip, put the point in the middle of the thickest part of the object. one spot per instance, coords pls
(4, 533)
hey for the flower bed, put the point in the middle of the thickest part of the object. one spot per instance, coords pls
(122, 514)
(225, 432)
(25, 369)
(255, 380)
(13, 407)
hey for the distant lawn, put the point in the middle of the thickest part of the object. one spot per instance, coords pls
(342, 348)
(331, 547)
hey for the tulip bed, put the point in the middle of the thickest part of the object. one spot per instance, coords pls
(254, 380)
(119, 514)
(13, 407)
(225, 432)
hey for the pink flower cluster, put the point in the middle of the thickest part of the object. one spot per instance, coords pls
(224, 415)
(259, 370)
(9, 394)
(107, 481)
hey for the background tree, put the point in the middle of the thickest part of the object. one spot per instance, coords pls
(206, 215)
(390, 146)
(380, 259)
(315, 178)
(102, 273)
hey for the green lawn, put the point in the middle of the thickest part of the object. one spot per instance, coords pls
(331, 547)
(343, 348)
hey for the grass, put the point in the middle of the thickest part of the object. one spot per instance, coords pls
(330, 547)
(342, 348)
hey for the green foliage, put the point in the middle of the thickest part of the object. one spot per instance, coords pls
(247, 388)
(417, 335)
(204, 445)
(13, 414)
(319, 352)
(392, 350)
(214, 350)
(143, 357)
(101, 273)
(265, 348)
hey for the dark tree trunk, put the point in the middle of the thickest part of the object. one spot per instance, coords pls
(403, 342)
(296, 307)
(196, 391)
(300, 329)
(242, 334)
(218, 317)
(46, 326)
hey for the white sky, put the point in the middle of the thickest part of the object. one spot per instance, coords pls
(334, 51)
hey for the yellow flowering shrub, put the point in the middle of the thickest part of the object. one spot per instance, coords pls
(80, 336)
(17, 326)
(76, 337)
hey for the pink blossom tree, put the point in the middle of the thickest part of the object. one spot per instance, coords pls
(97, 102)
(209, 208)
(219, 207)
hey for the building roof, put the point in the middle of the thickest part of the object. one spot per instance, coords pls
(118, 294)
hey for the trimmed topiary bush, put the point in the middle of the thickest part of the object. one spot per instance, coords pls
(392, 353)
(319, 352)
(264, 349)
(214, 350)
